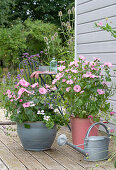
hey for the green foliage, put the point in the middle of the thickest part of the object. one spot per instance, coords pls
(12, 44)
(24, 102)
(107, 28)
(5, 11)
(45, 10)
(84, 88)
(36, 32)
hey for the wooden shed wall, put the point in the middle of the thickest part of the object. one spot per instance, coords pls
(93, 42)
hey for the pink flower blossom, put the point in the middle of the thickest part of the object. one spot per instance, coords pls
(82, 92)
(88, 74)
(72, 63)
(21, 91)
(54, 88)
(112, 130)
(24, 83)
(86, 63)
(63, 80)
(54, 81)
(90, 117)
(108, 64)
(20, 100)
(34, 85)
(8, 92)
(74, 71)
(69, 77)
(11, 100)
(96, 59)
(68, 89)
(100, 91)
(112, 113)
(77, 88)
(67, 71)
(61, 62)
(61, 68)
(42, 90)
(47, 86)
(82, 57)
(100, 24)
(26, 104)
(9, 96)
(59, 75)
(93, 76)
(69, 81)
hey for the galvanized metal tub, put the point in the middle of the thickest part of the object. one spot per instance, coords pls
(36, 138)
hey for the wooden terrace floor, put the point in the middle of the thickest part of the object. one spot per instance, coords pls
(14, 157)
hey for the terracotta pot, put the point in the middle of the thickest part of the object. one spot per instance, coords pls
(79, 129)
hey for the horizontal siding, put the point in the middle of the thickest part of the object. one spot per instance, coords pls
(94, 5)
(104, 57)
(95, 37)
(105, 47)
(97, 14)
(79, 2)
(90, 27)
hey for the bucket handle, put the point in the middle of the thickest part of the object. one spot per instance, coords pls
(98, 123)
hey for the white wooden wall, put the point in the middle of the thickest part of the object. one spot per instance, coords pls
(93, 42)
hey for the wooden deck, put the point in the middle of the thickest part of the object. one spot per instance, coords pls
(14, 157)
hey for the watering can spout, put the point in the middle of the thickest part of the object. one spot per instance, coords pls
(62, 140)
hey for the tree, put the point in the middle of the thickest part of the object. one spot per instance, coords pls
(6, 7)
(46, 10)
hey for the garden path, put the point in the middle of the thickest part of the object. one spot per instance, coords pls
(14, 157)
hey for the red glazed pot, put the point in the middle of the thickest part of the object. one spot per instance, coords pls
(79, 128)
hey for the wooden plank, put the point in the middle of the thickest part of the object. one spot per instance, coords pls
(97, 14)
(99, 36)
(101, 47)
(90, 27)
(31, 160)
(3, 166)
(47, 161)
(9, 159)
(93, 5)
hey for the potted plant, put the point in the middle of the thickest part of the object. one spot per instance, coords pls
(83, 86)
(32, 107)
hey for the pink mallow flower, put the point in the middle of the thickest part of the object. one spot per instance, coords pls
(69, 81)
(20, 100)
(61, 68)
(108, 64)
(26, 104)
(90, 117)
(100, 91)
(100, 24)
(21, 91)
(23, 82)
(42, 90)
(34, 85)
(77, 88)
(68, 89)
(8, 92)
(96, 59)
(112, 113)
(82, 57)
(63, 80)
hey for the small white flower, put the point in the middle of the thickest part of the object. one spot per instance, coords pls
(38, 112)
(42, 111)
(46, 118)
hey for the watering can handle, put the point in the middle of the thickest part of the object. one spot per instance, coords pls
(98, 123)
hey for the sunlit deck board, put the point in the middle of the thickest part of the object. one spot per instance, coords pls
(13, 156)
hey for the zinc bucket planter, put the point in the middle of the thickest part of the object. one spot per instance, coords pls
(79, 129)
(35, 136)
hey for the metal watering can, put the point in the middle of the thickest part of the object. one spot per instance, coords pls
(95, 147)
